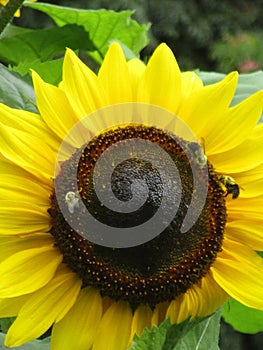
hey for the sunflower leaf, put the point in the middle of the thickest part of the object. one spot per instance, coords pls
(242, 318)
(202, 336)
(103, 26)
(198, 334)
(42, 45)
(50, 71)
(153, 339)
(12, 30)
(16, 92)
(248, 84)
(34, 345)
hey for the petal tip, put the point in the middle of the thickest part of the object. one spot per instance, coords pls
(114, 50)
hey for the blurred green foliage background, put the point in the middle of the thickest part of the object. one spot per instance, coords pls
(210, 35)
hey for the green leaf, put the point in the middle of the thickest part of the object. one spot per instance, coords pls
(248, 84)
(198, 335)
(243, 318)
(209, 77)
(153, 339)
(12, 30)
(42, 45)
(50, 71)
(34, 345)
(205, 335)
(103, 26)
(16, 92)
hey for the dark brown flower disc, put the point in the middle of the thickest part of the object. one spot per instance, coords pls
(162, 268)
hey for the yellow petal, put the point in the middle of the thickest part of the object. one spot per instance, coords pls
(136, 69)
(178, 310)
(245, 209)
(183, 307)
(45, 306)
(254, 174)
(159, 313)
(142, 319)
(29, 122)
(27, 151)
(109, 337)
(238, 270)
(28, 270)
(22, 218)
(245, 156)
(246, 232)
(204, 105)
(233, 127)
(9, 307)
(250, 189)
(54, 107)
(17, 188)
(210, 296)
(161, 82)
(81, 86)
(250, 182)
(106, 303)
(10, 245)
(114, 76)
(190, 84)
(78, 328)
(201, 300)
(9, 168)
(24, 120)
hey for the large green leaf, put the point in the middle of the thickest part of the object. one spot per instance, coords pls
(42, 45)
(50, 71)
(103, 26)
(153, 339)
(204, 335)
(243, 318)
(12, 30)
(199, 335)
(34, 345)
(16, 92)
(248, 84)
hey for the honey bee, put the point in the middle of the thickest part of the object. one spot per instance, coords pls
(198, 151)
(72, 201)
(230, 185)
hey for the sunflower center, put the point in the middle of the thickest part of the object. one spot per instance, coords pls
(162, 267)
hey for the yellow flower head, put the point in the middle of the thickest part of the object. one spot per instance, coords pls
(55, 270)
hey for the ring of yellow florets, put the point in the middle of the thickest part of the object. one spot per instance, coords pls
(156, 271)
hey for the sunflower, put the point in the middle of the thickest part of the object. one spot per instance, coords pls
(55, 274)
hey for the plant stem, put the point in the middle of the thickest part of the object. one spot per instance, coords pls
(8, 11)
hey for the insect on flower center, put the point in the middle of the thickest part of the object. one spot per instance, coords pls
(165, 266)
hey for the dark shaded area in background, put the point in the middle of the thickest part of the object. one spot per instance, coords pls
(232, 340)
(205, 34)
